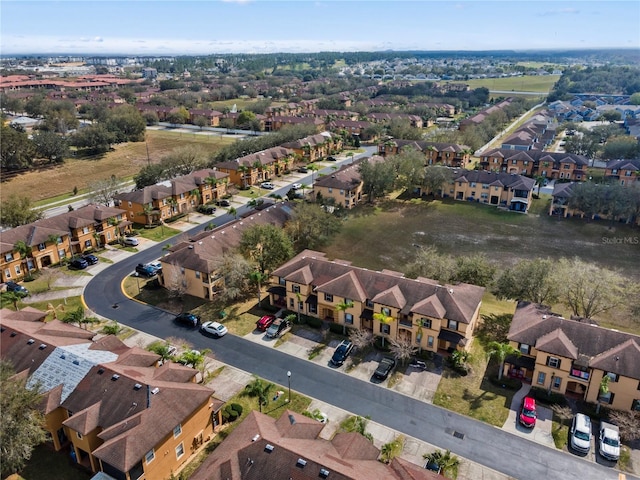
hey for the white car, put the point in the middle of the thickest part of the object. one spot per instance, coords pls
(214, 328)
(296, 186)
(267, 185)
(131, 241)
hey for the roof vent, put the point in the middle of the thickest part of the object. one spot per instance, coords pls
(63, 356)
(451, 291)
(76, 362)
(13, 334)
(191, 247)
(155, 391)
(268, 448)
(31, 341)
(42, 346)
(137, 386)
(324, 473)
(292, 419)
(199, 243)
(115, 377)
(544, 317)
(100, 371)
(256, 437)
(301, 463)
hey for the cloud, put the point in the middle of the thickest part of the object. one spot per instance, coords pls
(561, 11)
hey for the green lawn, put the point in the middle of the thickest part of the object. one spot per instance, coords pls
(527, 83)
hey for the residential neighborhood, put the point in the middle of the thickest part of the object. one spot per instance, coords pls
(320, 266)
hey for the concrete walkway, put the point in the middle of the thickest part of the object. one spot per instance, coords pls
(541, 433)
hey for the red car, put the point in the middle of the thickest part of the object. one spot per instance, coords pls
(528, 413)
(265, 322)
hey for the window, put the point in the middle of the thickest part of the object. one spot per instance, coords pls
(61, 253)
(384, 328)
(386, 311)
(177, 431)
(430, 341)
(295, 288)
(85, 230)
(180, 450)
(151, 454)
(485, 186)
(635, 405)
(197, 274)
(606, 397)
(8, 257)
(341, 192)
(557, 381)
(541, 378)
(328, 297)
(7, 273)
(524, 348)
(291, 303)
(553, 362)
(182, 270)
(613, 377)
(330, 190)
(129, 204)
(41, 246)
(368, 303)
(87, 244)
(79, 435)
(348, 318)
(18, 270)
(452, 325)
(108, 235)
(425, 322)
(473, 184)
(282, 281)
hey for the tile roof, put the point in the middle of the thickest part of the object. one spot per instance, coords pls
(257, 449)
(509, 180)
(618, 352)
(454, 302)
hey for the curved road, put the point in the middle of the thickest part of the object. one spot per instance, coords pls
(466, 437)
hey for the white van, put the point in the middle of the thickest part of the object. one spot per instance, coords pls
(580, 435)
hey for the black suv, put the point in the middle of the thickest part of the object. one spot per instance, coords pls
(17, 288)
(188, 319)
(342, 352)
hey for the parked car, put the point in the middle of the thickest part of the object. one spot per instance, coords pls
(279, 327)
(130, 241)
(609, 441)
(17, 288)
(213, 328)
(90, 258)
(208, 209)
(303, 170)
(528, 413)
(432, 466)
(342, 352)
(223, 203)
(265, 322)
(146, 270)
(267, 185)
(296, 186)
(188, 319)
(331, 159)
(384, 368)
(78, 263)
(580, 433)
(156, 265)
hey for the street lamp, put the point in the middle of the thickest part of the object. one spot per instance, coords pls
(289, 378)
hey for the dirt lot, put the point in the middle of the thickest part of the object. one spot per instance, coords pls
(125, 160)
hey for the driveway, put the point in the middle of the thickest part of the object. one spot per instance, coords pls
(541, 433)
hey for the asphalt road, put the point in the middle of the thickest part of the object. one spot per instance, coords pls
(466, 437)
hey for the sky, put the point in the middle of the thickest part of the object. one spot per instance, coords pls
(170, 27)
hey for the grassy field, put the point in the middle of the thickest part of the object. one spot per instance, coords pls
(527, 83)
(124, 161)
(386, 236)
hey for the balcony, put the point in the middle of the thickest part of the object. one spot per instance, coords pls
(406, 322)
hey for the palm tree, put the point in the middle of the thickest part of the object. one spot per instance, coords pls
(13, 297)
(260, 389)
(242, 169)
(147, 209)
(500, 351)
(257, 277)
(343, 307)
(24, 251)
(161, 349)
(233, 211)
(314, 169)
(447, 462)
(53, 309)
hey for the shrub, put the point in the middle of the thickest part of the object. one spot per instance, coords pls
(314, 322)
(237, 408)
(336, 328)
(379, 346)
(541, 396)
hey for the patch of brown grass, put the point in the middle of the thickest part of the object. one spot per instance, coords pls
(124, 161)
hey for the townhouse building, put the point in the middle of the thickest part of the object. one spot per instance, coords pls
(258, 167)
(344, 186)
(571, 357)
(510, 191)
(353, 127)
(193, 267)
(481, 116)
(328, 115)
(212, 117)
(50, 240)
(552, 165)
(436, 153)
(155, 203)
(414, 120)
(430, 316)
(120, 410)
(291, 447)
(624, 172)
(275, 123)
(315, 147)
